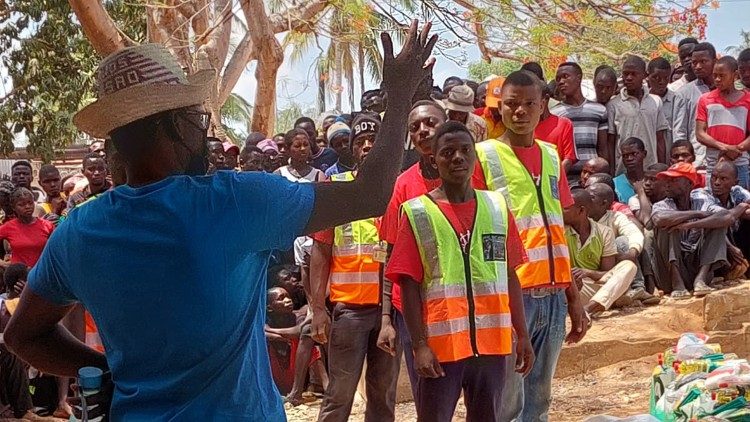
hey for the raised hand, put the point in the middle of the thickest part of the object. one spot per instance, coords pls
(402, 74)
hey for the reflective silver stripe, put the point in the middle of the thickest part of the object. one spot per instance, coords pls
(356, 278)
(457, 325)
(540, 253)
(353, 250)
(498, 224)
(459, 290)
(450, 326)
(493, 321)
(427, 239)
(441, 291)
(534, 221)
(493, 288)
(554, 157)
(499, 182)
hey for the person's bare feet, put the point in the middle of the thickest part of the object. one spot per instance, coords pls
(63, 410)
(294, 398)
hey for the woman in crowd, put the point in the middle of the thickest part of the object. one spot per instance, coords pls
(298, 170)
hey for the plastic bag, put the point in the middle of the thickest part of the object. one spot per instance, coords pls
(692, 346)
(636, 418)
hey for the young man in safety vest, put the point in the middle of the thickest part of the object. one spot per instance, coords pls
(347, 259)
(528, 174)
(454, 257)
(425, 118)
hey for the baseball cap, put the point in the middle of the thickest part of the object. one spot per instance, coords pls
(494, 92)
(228, 146)
(268, 145)
(364, 123)
(460, 98)
(685, 170)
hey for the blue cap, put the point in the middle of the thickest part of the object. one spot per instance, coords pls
(90, 378)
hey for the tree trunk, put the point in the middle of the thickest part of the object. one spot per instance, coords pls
(321, 90)
(99, 28)
(361, 64)
(270, 56)
(350, 86)
(338, 75)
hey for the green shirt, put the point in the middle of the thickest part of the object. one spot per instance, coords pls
(600, 243)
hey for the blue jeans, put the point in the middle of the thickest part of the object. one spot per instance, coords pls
(528, 400)
(403, 336)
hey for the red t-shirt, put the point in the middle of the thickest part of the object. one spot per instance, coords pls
(26, 240)
(558, 131)
(726, 122)
(409, 185)
(406, 262)
(531, 158)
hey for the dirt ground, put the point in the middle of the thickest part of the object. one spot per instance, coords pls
(587, 383)
(616, 390)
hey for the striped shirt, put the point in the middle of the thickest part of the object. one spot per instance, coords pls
(588, 119)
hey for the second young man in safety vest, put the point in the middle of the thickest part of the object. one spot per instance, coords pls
(347, 259)
(454, 257)
(528, 174)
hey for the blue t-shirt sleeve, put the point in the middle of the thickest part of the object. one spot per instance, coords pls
(46, 277)
(273, 211)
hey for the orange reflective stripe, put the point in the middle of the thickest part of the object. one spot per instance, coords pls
(354, 263)
(357, 294)
(488, 346)
(451, 348)
(490, 304)
(439, 309)
(92, 333)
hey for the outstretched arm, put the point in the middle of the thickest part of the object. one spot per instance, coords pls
(368, 195)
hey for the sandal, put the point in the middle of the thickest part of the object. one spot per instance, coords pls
(680, 295)
(703, 291)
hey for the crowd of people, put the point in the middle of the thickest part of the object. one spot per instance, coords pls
(519, 202)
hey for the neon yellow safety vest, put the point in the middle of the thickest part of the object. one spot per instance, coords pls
(354, 274)
(466, 308)
(536, 207)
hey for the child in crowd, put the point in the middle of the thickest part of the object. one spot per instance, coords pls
(283, 332)
(722, 121)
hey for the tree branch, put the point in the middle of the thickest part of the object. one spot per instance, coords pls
(99, 27)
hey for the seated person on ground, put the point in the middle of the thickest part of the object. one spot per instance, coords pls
(593, 255)
(593, 166)
(629, 239)
(726, 194)
(690, 244)
(683, 152)
(648, 193)
(633, 153)
(608, 180)
(282, 334)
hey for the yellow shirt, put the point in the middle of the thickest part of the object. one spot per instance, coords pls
(494, 129)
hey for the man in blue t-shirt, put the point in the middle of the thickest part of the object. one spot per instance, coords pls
(178, 287)
(633, 152)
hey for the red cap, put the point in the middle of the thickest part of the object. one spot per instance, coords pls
(685, 170)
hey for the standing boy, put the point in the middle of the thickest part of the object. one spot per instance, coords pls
(528, 173)
(345, 260)
(454, 258)
(589, 117)
(636, 114)
(722, 120)
(702, 62)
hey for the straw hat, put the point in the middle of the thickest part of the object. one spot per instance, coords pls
(461, 98)
(137, 82)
